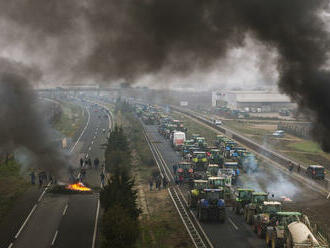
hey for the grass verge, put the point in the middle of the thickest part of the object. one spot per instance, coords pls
(71, 119)
(160, 224)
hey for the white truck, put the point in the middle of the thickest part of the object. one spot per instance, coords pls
(178, 139)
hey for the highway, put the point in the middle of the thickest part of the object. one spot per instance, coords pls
(59, 220)
(235, 232)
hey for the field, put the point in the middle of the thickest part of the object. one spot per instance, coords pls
(71, 119)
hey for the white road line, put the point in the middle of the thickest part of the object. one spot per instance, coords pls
(42, 194)
(26, 220)
(54, 239)
(65, 209)
(96, 221)
(92, 142)
(94, 137)
(89, 148)
(89, 117)
(231, 222)
(11, 245)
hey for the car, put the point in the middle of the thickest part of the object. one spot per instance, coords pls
(278, 133)
(217, 122)
(316, 172)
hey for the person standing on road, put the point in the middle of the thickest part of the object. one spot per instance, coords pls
(81, 162)
(165, 182)
(151, 184)
(89, 162)
(102, 176)
(33, 178)
(298, 168)
(96, 163)
(40, 179)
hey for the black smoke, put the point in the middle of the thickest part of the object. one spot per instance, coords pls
(20, 124)
(126, 39)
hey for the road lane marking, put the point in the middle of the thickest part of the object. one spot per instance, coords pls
(89, 148)
(42, 194)
(96, 221)
(94, 137)
(26, 220)
(92, 142)
(54, 239)
(82, 133)
(65, 209)
(11, 245)
(231, 222)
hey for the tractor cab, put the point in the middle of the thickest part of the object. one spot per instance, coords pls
(199, 159)
(243, 197)
(212, 205)
(234, 167)
(194, 137)
(212, 170)
(197, 191)
(186, 170)
(218, 182)
(201, 142)
(216, 157)
(259, 197)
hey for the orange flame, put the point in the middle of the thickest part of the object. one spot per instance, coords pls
(78, 187)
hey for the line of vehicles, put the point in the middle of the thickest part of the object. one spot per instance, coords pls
(211, 174)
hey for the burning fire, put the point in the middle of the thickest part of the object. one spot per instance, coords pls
(78, 187)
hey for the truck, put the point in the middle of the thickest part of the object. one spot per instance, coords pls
(178, 139)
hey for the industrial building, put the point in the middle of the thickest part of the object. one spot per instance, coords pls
(252, 101)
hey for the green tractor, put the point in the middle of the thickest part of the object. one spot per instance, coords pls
(222, 182)
(196, 193)
(265, 212)
(199, 160)
(258, 198)
(216, 157)
(277, 228)
(211, 207)
(201, 142)
(243, 197)
(212, 170)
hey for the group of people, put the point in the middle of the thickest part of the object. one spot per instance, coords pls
(88, 163)
(159, 181)
(43, 178)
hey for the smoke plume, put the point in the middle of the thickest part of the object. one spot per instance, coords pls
(124, 39)
(21, 128)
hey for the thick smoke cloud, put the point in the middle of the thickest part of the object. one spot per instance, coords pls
(124, 39)
(20, 124)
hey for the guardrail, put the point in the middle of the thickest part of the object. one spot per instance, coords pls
(192, 226)
(276, 157)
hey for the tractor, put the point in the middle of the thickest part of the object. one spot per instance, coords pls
(197, 192)
(235, 170)
(199, 160)
(251, 209)
(216, 157)
(291, 229)
(243, 197)
(212, 206)
(185, 169)
(224, 183)
(265, 213)
(212, 170)
(201, 143)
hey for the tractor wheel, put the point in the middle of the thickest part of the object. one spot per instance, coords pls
(222, 215)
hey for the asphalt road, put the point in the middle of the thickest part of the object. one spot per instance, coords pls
(235, 232)
(69, 220)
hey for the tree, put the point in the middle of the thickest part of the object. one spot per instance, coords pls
(119, 229)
